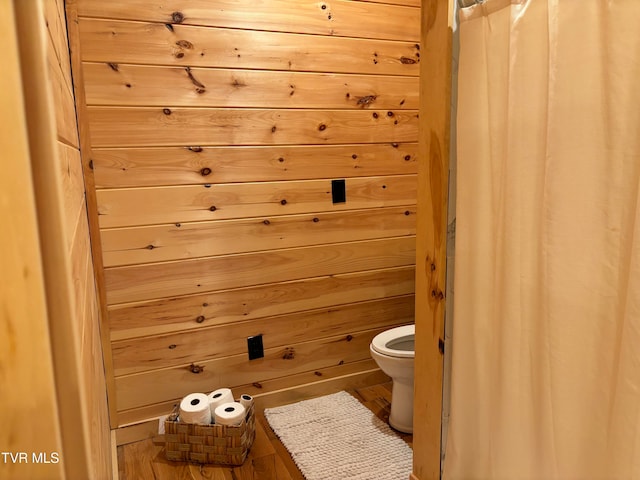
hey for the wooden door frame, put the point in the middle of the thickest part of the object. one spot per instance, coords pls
(431, 237)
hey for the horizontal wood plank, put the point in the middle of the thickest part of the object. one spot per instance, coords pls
(141, 85)
(155, 44)
(339, 17)
(135, 245)
(149, 353)
(231, 371)
(195, 311)
(154, 281)
(263, 392)
(131, 167)
(182, 126)
(148, 206)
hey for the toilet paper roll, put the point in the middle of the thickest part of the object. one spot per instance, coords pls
(246, 401)
(218, 397)
(229, 413)
(194, 408)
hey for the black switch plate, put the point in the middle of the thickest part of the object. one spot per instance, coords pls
(338, 191)
(255, 348)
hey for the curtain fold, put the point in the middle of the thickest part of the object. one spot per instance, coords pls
(546, 341)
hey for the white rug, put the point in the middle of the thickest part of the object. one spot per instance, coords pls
(335, 437)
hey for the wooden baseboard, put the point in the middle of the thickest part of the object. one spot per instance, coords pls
(413, 477)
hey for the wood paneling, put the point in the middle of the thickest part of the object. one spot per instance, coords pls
(187, 87)
(215, 130)
(29, 413)
(146, 282)
(226, 306)
(144, 126)
(134, 245)
(155, 44)
(141, 354)
(72, 186)
(130, 207)
(157, 386)
(131, 167)
(343, 18)
(69, 276)
(266, 393)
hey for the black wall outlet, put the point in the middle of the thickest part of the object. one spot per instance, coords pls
(338, 191)
(255, 348)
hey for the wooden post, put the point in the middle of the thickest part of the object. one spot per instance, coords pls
(431, 239)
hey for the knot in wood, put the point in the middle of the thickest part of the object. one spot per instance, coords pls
(166, 111)
(177, 17)
(322, 127)
(200, 319)
(185, 44)
(407, 157)
(205, 171)
(407, 61)
(196, 368)
(367, 100)
(289, 353)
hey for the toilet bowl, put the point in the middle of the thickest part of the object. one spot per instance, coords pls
(393, 351)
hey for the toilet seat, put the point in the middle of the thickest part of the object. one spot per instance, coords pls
(380, 342)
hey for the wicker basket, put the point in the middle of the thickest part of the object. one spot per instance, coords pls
(217, 444)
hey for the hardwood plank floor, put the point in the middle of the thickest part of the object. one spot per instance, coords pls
(268, 459)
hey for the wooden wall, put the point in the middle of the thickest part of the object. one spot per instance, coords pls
(215, 129)
(93, 421)
(29, 413)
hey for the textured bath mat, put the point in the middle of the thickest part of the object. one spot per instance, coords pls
(335, 437)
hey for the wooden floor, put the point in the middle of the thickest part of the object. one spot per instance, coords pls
(267, 459)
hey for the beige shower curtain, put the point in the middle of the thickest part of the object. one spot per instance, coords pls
(546, 335)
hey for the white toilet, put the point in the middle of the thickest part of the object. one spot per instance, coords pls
(393, 351)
